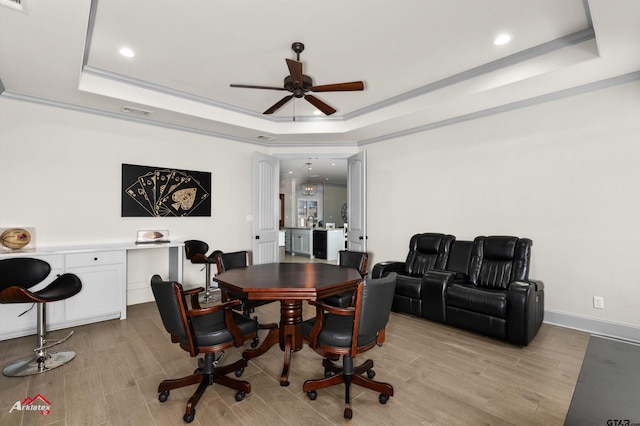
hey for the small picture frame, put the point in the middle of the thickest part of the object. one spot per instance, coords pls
(17, 239)
(153, 236)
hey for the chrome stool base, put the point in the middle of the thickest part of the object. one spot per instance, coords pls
(37, 364)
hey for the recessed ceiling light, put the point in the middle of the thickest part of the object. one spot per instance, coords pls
(127, 52)
(317, 112)
(502, 39)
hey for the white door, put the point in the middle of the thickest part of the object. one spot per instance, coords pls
(357, 202)
(266, 186)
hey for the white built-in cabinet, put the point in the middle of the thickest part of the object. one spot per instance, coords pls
(103, 272)
(102, 296)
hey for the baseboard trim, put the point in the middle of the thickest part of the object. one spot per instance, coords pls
(593, 325)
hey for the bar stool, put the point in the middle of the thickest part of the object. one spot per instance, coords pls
(196, 252)
(17, 275)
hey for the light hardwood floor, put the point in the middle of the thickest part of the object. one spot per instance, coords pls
(441, 375)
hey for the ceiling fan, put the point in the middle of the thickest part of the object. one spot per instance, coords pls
(299, 84)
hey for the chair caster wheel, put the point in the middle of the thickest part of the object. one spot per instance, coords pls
(188, 418)
(162, 397)
(240, 396)
(254, 345)
(239, 372)
(327, 373)
(371, 374)
(383, 398)
(348, 414)
(312, 395)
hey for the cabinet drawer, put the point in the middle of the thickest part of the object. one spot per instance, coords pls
(93, 258)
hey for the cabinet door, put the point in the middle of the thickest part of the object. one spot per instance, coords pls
(296, 242)
(306, 244)
(103, 282)
(100, 297)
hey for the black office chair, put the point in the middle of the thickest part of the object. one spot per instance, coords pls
(348, 332)
(196, 252)
(17, 276)
(202, 330)
(352, 259)
(240, 259)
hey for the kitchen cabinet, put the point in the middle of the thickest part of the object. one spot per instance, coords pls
(302, 241)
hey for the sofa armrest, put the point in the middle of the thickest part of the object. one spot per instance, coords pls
(434, 288)
(385, 268)
(525, 302)
(539, 285)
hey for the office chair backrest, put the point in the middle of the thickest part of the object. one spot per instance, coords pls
(22, 272)
(193, 247)
(354, 259)
(236, 259)
(426, 252)
(375, 308)
(497, 261)
(171, 305)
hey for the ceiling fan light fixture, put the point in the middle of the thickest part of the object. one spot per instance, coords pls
(298, 84)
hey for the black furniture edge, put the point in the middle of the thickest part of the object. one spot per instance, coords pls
(465, 293)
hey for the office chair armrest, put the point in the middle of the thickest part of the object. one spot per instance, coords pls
(194, 293)
(215, 308)
(328, 309)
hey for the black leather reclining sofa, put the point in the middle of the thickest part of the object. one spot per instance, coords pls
(481, 285)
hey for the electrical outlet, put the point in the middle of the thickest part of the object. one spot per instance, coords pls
(598, 302)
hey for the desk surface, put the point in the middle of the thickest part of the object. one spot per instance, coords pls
(294, 281)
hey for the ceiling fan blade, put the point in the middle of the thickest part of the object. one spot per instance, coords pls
(295, 69)
(278, 104)
(339, 87)
(326, 109)
(249, 86)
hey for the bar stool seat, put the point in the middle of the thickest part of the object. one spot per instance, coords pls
(196, 252)
(17, 275)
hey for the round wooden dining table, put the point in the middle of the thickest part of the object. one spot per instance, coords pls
(290, 283)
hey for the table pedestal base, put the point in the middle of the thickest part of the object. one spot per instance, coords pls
(288, 334)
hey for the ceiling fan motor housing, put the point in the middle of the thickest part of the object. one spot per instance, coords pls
(297, 89)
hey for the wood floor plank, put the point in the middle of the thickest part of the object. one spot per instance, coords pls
(441, 375)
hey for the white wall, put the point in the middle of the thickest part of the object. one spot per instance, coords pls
(564, 174)
(61, 173)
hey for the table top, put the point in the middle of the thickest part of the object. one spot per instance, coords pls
(302, 281)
